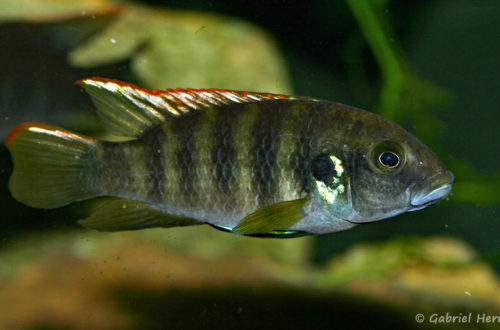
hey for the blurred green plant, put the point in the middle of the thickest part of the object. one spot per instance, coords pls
(376, 261)
(166, 48)
(43, 11)
(405, 96)
(57, 274)
(172, 48)
(169, 48)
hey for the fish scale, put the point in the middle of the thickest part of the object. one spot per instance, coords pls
(249, 163)
(204, 171)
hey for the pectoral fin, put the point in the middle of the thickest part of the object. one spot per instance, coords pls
(114, 214)
(273, 218)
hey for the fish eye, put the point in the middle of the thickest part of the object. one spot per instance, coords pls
(388, 159)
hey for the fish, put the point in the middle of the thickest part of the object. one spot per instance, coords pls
(254, 164)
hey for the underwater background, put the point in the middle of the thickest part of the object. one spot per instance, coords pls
(431, 66)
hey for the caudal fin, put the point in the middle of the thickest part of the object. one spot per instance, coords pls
(49, 165)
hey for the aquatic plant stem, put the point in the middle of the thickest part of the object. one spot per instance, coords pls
(391, 65)
(406, 95)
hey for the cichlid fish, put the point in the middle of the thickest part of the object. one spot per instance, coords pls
(248, 163)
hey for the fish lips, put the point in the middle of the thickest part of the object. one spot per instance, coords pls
(431, 190)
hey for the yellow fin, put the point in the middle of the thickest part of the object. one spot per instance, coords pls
(128, 110)
(114, 214)
(272, 218)
(49, 164)
(124, 109)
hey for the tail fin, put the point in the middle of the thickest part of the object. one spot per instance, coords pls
(49, 164)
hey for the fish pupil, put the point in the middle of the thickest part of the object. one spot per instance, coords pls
(389, 159)
(323, 169)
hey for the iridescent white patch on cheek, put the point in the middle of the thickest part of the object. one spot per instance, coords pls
(330, 193)
(338, 165)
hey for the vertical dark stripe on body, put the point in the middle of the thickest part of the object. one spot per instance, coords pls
(300, 162)
(153, 141)
(265, 134)
(223, 153)
(115, 171)
(245, 193)
(185, 155)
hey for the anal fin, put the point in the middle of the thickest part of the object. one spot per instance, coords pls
(115, 214)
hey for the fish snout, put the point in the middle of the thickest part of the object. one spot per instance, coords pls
(432, 190)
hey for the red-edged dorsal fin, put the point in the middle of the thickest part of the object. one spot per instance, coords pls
(128, 110)
(18, 129)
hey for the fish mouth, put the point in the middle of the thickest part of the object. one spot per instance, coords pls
(431, 191)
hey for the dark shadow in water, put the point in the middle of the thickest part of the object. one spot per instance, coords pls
(251, 308)
(50, 326)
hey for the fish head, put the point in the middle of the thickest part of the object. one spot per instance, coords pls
(393, 172)
(385, 171)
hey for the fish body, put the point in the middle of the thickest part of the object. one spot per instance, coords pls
(249, 163)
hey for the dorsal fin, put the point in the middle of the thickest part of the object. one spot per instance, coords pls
(128, 110)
